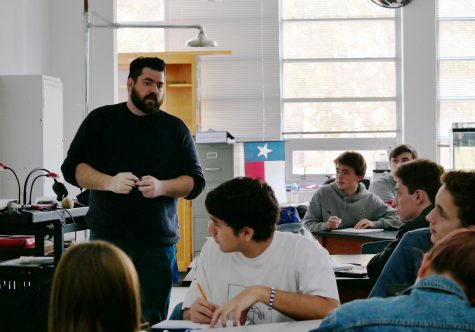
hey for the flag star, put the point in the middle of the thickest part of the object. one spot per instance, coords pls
(264, 151)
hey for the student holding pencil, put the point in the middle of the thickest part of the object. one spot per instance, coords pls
(250, 272)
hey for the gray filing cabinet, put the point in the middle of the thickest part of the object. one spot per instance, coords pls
(218, 167)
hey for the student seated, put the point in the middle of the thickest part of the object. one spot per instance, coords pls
(417, 183)
(454, 209)
(95, 289)
(385, 186)
(346, 203)
(249, 271)
(440, 301)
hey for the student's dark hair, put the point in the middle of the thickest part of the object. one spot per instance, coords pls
(138, 64)
(461, 185)
(401, 149)
(245, 202)
(354, 160)
(421, 174)
(454, 254)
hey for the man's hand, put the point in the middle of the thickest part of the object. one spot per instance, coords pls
(364, 223)
(150, 186)
(201, 311)
(123, 183)
(239, 305)
(334, 222)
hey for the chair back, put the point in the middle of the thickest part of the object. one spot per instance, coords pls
(374, 247)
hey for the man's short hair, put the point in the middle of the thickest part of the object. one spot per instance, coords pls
(401, 149)
(354, 160)
(138, 64)
(421, 174)
(245, 202)
(461, 185)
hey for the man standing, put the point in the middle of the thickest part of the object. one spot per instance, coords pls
(137, 160)
(417, 183)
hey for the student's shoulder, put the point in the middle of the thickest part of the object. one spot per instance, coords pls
(297, 242)
(418, 238)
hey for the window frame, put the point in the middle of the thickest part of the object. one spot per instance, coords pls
(328, 144)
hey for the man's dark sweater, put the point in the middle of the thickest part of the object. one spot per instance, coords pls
(376, 264)
(113, 140)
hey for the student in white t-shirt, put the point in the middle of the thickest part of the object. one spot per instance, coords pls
(249, 271)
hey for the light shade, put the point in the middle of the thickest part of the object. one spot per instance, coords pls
(201, 40)
(391, 3)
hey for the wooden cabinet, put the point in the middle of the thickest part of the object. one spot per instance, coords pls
(182, 100)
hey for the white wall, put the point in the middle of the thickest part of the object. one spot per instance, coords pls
(24, 37)
(47, 36)
(419, 77)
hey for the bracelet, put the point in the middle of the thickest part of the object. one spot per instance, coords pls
(271, 298)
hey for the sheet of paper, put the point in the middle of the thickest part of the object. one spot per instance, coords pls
(184, 324)
(358, 230)
(179, 325)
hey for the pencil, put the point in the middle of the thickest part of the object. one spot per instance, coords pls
(201, 291)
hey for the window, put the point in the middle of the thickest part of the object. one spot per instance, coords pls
(456, 61)
(140, 40)
(340, 89)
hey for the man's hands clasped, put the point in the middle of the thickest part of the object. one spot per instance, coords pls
(123, 183)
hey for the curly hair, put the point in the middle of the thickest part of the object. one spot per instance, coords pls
(461, 185)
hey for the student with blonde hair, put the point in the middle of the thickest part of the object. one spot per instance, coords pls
(95, 289)
(441, 300)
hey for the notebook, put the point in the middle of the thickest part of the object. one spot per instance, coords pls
(358, 230)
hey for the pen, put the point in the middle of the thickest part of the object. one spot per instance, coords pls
(201, 291)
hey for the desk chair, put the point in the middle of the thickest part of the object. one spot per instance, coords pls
(374, 247)
(177, 313)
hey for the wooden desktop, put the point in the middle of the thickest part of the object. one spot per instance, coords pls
(350, 244)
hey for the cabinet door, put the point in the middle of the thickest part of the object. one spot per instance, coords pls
(184, 253)
(216, 161)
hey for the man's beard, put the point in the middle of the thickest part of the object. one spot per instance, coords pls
(151, 106)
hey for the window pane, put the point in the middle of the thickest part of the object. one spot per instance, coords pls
(454, 111)
(292, 9)
(457, 79)
(339, 79)
(457, 39)
(140, 11)
(321, 162)
(339, 39)
(140, 40)
(444, 156)
(340, 117)
(456, 8)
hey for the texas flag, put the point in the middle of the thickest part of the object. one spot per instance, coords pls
(266, 161)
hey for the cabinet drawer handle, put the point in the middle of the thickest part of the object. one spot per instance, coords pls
(212, 169)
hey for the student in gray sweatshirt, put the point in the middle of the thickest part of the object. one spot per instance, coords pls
(346, 203)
